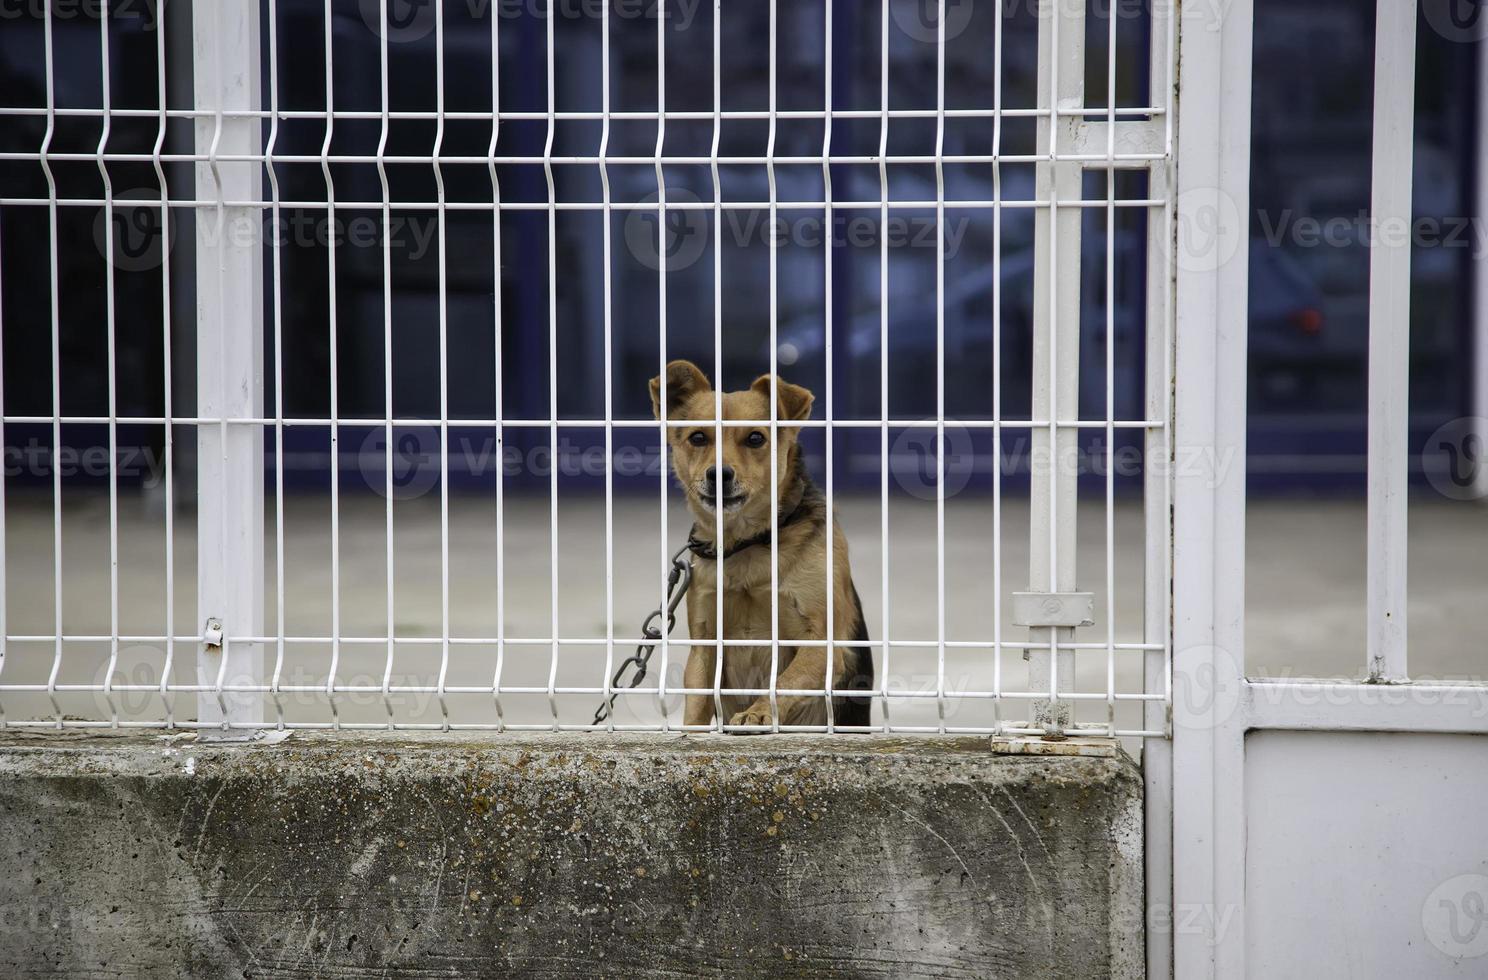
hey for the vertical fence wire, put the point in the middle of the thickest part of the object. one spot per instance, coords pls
(1111, 19)
(277, 312)
(168, 701)
(830, 572)
(498, 368)
(883, 347)
(334, 368)
(718, 621)
(56, 365)
(388, 434)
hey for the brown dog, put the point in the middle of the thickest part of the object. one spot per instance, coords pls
(744, 497)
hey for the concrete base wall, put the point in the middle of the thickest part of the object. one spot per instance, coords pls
(565, 856)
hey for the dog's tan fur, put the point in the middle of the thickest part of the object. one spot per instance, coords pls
(801, 544)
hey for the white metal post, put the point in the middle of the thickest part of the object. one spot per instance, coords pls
(1157, 753)
(1053, 486)
(229, 365)
(1389, 333)
(1212, 168)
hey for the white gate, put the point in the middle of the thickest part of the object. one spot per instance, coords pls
(1321, 829)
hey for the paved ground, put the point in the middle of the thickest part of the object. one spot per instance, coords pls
(1306, 597)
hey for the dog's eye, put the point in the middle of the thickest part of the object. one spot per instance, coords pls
(698, 438)
(754, 440)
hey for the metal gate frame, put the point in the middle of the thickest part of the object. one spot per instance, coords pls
(1215, 703)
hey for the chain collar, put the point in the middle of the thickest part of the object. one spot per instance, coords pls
(709, 549)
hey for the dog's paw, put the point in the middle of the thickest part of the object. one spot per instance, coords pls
(756, 714)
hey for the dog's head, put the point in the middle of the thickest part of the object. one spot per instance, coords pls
(736, 480)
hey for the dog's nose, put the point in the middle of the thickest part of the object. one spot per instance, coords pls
(712, 476)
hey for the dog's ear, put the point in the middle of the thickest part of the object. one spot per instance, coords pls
(683, 380)
(795, 401)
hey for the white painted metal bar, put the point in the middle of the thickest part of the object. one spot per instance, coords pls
(444, 443)
(1053, 486)
(111, 359)
(774, 380)
(390, 556)
(997, 641)
(278, 313)
(334, 349)
(925, 643)
(661, 299)
(475, 423)
(719, 629)
(592, 115)
(56, 360)
(883, 344)
(229, 286)
(167, 379)
(552, 96)
(1349, 707)
(1213, 179)
(1157, 754)
(791, 204)
(940, 477)
(830, 572)
(1389, 334)
(1110, 385)
(499, 366)
(609, 367)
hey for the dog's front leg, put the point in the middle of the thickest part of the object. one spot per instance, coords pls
(702, 663)
(807, 672)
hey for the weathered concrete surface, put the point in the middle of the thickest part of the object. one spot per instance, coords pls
(564, 856)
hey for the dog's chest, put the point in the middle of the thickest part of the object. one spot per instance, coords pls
(746, 612)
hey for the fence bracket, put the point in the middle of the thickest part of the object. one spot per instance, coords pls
(1069, 609)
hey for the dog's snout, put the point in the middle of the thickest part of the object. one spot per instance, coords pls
(712, 476)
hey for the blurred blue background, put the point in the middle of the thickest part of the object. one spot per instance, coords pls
(1311, 139)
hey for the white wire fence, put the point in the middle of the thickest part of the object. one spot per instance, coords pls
(325, 402)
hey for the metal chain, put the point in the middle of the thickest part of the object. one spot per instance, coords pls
(678, 579)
